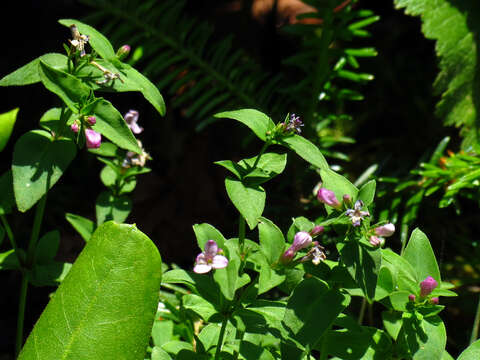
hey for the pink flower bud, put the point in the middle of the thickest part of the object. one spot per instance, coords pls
(427, 286)
(91, 120)
(375, 241)
(123, 52)
(411, 297)
(301, 240)
(288, 255)
(74, 127)
(434, 300)
(385, 230)
(94, 139)
(347, 199)
(317, 230)
(328, 198)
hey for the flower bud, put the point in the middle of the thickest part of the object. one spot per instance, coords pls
(434, 300)
(91, 120)
(301, 240)
(385, 230)
(347, 199)
(427, 286)
(94, 139)
(123, 52)
(328, 198)
(287, 256)
(411, 297)
(375, 241)
(317, 230)
(74, 127)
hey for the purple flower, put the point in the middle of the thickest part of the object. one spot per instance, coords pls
(294, 124)
(123, 52)
(434, 300)
(328, 198)
(209, 259)
(288, 255)
(94, 139)
(91, 120)
(411, 297)
(316, 254)
(131, 117)
(317, 230)
(301, 240)
(385, 230)
(74, 127)
(356, 214)
(427, 286)
(375, 241)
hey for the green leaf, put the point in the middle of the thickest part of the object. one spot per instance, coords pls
(403, 274)
(7, 120)
(70, 89)
(96, 40)
(249, 200)
(50, 121)
(392, 321)
(110, 207)
(160, 354)
(311, 310)
(367, 192)
(39, 161)
(419, 254)
(7, 200)
(205, 232)
(472, 352)
(111, 124)
(106, 149)
(227, 278)
(385, 283)
(162, 332)
(305, 149)
(454, 26)
(269, 278)
(363, 264)
(272, 242)
(30, 73)
(199, 306)
(84, 226)
(399, 300)
(47, 247)
(9, 260)
(105, 306)
(338, 184)
(257, 121)
(50, 274)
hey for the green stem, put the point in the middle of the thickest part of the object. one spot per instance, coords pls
(21, 313)
(10, 235)
(241, 234)
(264, 148)
(362, 311)
(403, 237)
(37, 223)
(220, 338)
(476, 323)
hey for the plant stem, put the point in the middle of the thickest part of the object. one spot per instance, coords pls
(21, 313)
(362, 311)
(220, 338)
(403, 237)
(264, 147)
(37, 223)
(241, 234)
(476, 323)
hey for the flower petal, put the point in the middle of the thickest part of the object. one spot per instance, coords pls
(219, 262)
(211, 248)
(202, 268)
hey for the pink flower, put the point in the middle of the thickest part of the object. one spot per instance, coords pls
(288, 255)
(356, 214)
(123, 52)
(317, 230)
(427, 286)
(131, 119)
(74, 127)
(434, 300)
(91, 120)
(94, 139)
(328, 198)
(301, 240)
(375, 241)
(411, 297)
(209, 259)
(385, 230)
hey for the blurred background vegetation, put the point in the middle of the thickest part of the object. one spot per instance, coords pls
(361, 76)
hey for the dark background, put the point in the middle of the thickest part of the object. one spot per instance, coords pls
(394, 125)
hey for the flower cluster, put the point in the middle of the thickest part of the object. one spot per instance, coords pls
(380, 233)
(79, 41)
(210, 259)
(131, 158)
(302, 240)
(93, 139)
(426, 288)
(292, 124)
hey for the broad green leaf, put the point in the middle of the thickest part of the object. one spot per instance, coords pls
(472, 352)
(108, 176)
(110, 207)
(454, 26)
(311, 310)
(175, 346)
(70, 89)
(269, 278)
(84, 226)
(9, 260)
(47, 247)
(106, 149)
(271, 239)
(447, 356)
(205, 232)
(385, 283)
(162, 332)
(159, 354)
(105, 306)
(257, 121)
(425, 339)
(404, 275)
(50, 274)
(199, 306)
(227, 278)
(30, 73)
(338, 184)
(249, 201)
(7, 200)
(419, 254)
(111, 124)
(209, 336)
(7, 120)
(399, 300)
(96, 40)
(305, 149)
(39, 161)
(367, 192)
(363, 264)
(392, 321)
(50, 121)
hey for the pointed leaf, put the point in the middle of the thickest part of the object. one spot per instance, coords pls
(472, 352)
(367, 192)
(419, 254)
(249, 200)
(271, 239)
(106, 305)
(257, 121)
(84, 226)
(38, 163)
(205, 232)
(110, 207)
(47, 247)
(7, 120)
(306, 150)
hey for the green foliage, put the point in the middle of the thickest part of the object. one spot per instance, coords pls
(7, 120)
(106, 304)
(454, 25)
(472, 352)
